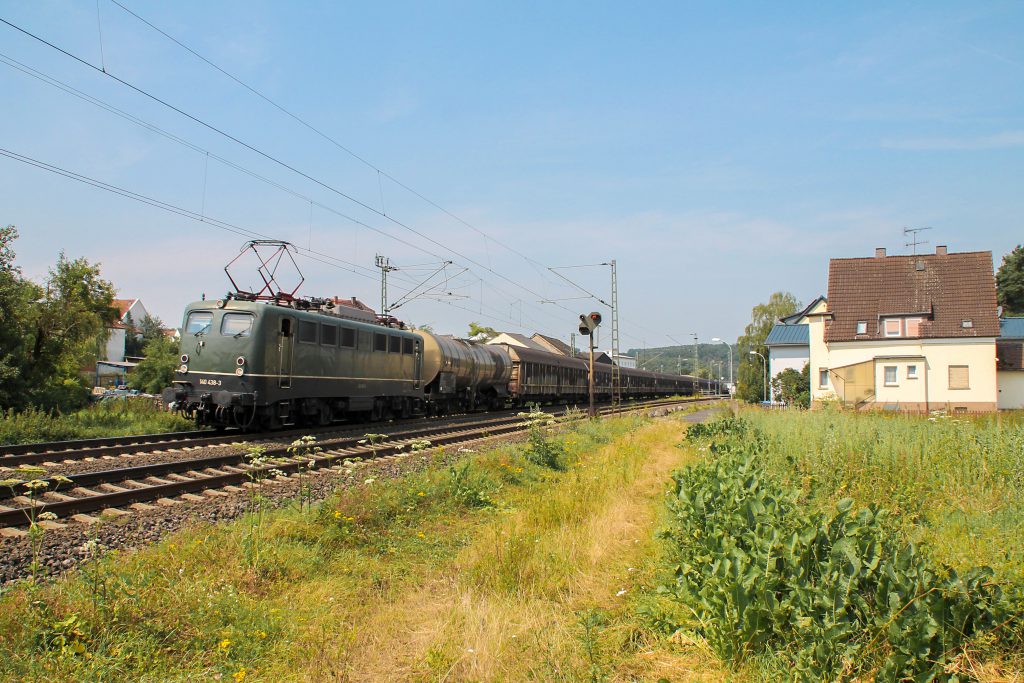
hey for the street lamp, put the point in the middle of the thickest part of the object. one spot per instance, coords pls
(765, 372)
(728, 346)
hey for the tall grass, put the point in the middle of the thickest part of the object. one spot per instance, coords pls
(108, 418)
(956, 483)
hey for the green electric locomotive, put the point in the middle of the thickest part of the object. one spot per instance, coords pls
(258, 366)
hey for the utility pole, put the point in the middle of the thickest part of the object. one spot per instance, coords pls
(384, 263)
(591, 412)
(696, 357)
(616, 371)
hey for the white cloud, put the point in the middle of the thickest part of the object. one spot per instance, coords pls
(1004, 140)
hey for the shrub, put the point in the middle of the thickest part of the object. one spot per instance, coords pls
(831, 595)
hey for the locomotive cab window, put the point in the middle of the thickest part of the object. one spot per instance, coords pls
(198, 322)
(236, 324)
(348, 337)
(286, 327)
(380, 342)
(394, 344)
(328, 335)
(307, 332)
(407, 346)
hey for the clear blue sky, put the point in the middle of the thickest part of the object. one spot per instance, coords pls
(718, 152)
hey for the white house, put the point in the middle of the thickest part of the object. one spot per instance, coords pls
(131, 313)
(789, 345)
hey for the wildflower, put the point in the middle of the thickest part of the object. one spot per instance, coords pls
(369, 481)
(36, 484)
(239, 676)
(46, 517)
(337, 514)
(620, 593)
(225, 644)
(421, 535)
(421, 494)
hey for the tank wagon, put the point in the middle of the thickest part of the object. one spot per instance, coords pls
(258, 365)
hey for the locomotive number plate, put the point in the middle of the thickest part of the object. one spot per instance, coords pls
(210, 382)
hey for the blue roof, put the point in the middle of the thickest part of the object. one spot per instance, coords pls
(789, 335)
(1010, 328)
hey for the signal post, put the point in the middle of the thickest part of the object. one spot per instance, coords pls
(589, 323)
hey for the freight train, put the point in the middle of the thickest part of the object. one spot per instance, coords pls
(262, 365)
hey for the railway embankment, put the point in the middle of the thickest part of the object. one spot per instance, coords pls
(490, 563)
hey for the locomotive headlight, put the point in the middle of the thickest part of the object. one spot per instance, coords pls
(183, 369)
(240, 361)
(184, 358)
(239, 371)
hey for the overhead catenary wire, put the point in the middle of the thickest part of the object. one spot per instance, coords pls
(175, 209)
(268, 156)
(301, 121)
(341, 193)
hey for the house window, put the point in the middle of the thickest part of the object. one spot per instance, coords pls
(911, 372)
(862, 327)
(890, 376)
(892, 327)
(959, 377)
(822, 377)
(967, 324)
(913, 327)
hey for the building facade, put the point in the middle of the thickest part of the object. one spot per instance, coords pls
(910, 333)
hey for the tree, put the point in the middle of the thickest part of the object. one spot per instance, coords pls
(156, 370)
(17, 299)
(1010, 282)
(49, 333)
(793, 388)
(478, 332)
(750, 376)
(70, 327)
(148, 329)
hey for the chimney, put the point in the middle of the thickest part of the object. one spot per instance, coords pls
(941, 250)
(879, 252)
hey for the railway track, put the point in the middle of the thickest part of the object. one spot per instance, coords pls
(15, 455)
(157, 483)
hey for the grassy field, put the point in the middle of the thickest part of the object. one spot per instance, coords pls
(562, 559)
(109, 418)
(889, 546)
(956, 484)
(526, 562)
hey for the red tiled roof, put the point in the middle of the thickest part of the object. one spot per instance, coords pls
(352, 303)
(946, 288)
(122, 306)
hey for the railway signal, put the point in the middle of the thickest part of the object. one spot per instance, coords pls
(589, 323)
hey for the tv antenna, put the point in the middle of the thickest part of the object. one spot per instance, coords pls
(913, 238)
